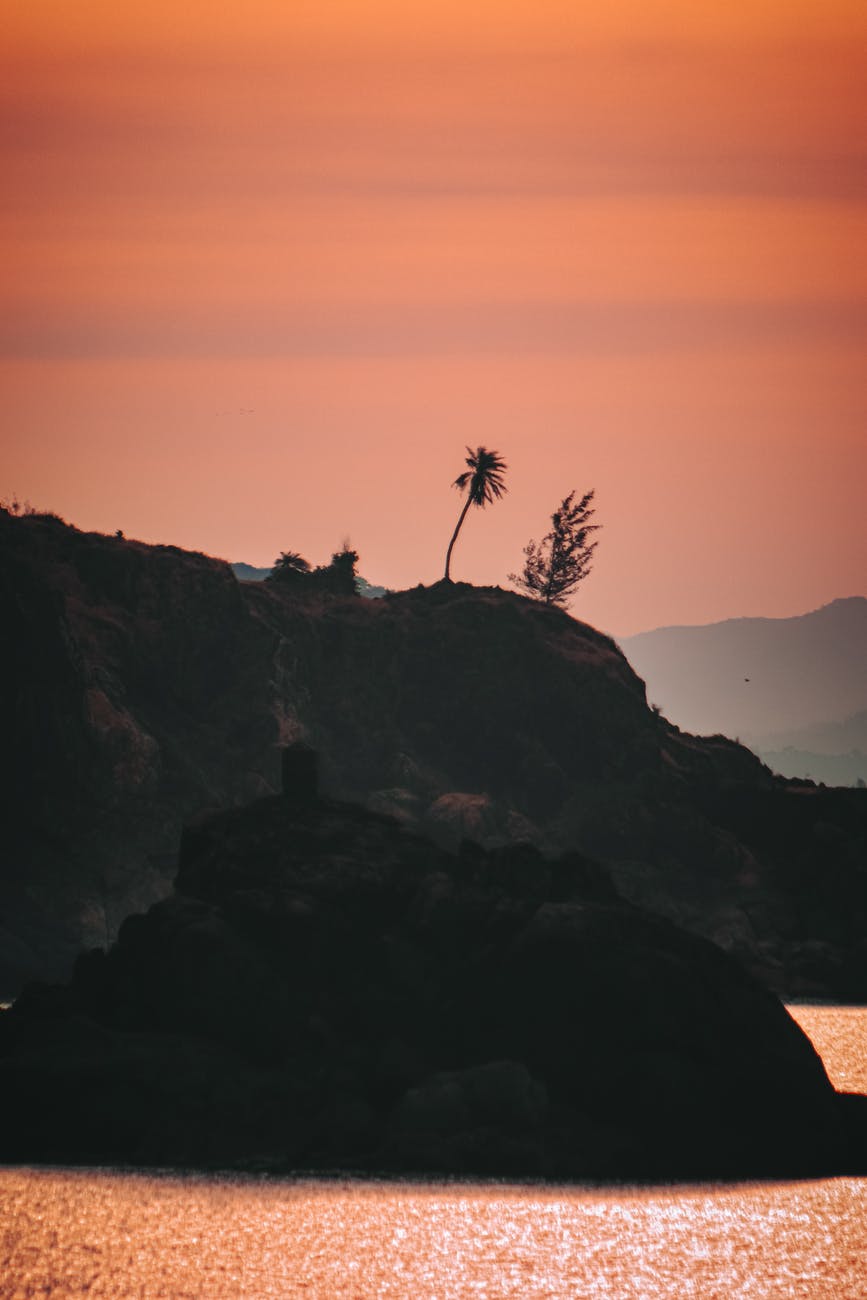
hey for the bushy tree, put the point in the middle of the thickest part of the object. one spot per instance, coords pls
(290, 567)
(341, 576)
(483, 482)
(554, 567)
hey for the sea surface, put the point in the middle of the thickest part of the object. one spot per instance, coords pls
(113, 1234)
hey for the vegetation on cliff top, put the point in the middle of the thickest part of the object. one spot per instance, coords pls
(142, 684)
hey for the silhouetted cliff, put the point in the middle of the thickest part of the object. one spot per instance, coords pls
(143, 684)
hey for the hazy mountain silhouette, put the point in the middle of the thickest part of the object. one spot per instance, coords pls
(249, 573)
(829, 738)
(832, 752)
(143, 684)
(776, 684)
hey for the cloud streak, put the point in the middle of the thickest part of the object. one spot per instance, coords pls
(662, 205)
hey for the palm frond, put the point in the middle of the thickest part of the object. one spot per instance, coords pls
(484, 477)
(291, 561)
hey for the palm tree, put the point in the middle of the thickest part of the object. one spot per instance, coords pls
(290, 569)
(291, 562)
(484, 478)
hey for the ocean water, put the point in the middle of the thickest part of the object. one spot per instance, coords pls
(104, 1233)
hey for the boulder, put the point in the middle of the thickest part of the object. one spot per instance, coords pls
(327, 990)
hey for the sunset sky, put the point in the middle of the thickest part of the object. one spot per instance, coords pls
(267, 268)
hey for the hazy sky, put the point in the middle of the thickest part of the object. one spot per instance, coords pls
(268, 267)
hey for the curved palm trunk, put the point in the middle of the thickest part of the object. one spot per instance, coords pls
(467, 505)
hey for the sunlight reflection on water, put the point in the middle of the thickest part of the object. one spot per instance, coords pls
(109, 1234)
(101, 1234)
(839, 1035)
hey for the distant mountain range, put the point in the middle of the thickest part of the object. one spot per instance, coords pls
(249, 573)
(793, 689)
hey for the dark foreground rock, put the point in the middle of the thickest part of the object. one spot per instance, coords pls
(326, 990)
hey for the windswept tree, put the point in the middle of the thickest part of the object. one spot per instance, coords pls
(482, 482)
(554, 567)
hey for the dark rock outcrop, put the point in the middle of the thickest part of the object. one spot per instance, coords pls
(326, 990)
(141, 685)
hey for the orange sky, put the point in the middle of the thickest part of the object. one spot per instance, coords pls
(266, 272)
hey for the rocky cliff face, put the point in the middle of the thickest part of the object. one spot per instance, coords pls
(128, 704)
(326, 990)
(142, 685)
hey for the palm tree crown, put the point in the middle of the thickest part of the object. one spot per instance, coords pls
(484, 476)
(484, 479)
